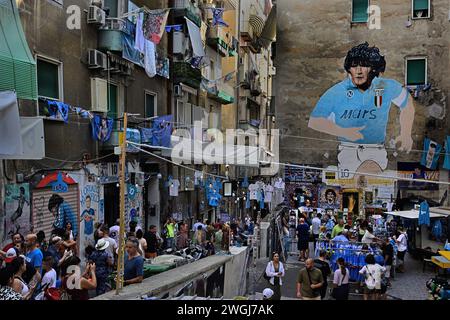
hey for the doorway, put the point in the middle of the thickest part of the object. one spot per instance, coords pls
(112, 203)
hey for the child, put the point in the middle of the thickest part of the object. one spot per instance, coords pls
(49, 273)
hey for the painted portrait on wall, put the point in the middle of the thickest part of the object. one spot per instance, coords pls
(330, 197)
(356, 111)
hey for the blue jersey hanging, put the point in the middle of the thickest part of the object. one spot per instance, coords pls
(430, 156)
(57, 107)
(424, 213)
(162, 130)
(437, 229)
(447, 153)
(218, 17)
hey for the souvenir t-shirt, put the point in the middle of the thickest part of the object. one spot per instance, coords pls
(173, 188)
(268, 191)
(253, 188)
(214, 199)
(279, 184)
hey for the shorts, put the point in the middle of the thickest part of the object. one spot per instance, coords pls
(352, 155)
(371, 291)
(401, 255)
(303, 245)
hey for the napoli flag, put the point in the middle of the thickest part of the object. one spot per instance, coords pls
(447, 153)
(424, 213)
(430, 156)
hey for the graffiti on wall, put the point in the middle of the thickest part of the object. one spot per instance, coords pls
(89, 208)
(356, 111)
(17, 210)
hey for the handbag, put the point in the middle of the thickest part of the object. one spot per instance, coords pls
(266, 276)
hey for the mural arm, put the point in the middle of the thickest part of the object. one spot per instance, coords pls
(406, 124)
(327, 126)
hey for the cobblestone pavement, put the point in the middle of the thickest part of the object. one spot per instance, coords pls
(406, 286)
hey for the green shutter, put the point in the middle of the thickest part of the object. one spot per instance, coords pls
(420, 5)
(48, 79)
(17, 65)
(112, 100)
(359, 13)
(416, 72)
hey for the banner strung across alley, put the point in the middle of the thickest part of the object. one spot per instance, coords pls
(17, 210)
(413, 170)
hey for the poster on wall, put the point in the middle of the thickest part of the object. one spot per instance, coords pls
(414, 170)
(302, 195)
(134, 205)
(350, 201)
(356, 111)
(89, 208)
(17, 210)
(330, 197)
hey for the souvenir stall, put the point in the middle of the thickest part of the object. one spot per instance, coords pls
(353, 254)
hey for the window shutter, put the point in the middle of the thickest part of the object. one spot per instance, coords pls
(420, 5)
(416, 72)
(359, 13)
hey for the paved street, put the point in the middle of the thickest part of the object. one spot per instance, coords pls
(407, 286)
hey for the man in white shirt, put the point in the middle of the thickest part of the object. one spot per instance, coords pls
(112, 243)
(368, 236)
(198, 223)
(114, 231)
(402, 243)
(316, 223)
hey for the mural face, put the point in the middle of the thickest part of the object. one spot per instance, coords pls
(330, 198)
(17, 210)
(356, 111)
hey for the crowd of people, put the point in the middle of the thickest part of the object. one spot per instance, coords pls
(312, 280)
(34, 268)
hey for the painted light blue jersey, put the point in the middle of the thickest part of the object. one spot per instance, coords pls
(348, 107)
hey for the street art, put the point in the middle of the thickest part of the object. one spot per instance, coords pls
(17, 210)
(356, 111)
(62, 214)
(89, 206)
(330, 197)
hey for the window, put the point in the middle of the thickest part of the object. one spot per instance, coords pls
(150, 104)
(420, 9)
(49, 78)
(113, 100)
(359, 10)
(416, 71)
(184, 115)
(113, 7)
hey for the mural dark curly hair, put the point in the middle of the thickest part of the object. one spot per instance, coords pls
(365, 56)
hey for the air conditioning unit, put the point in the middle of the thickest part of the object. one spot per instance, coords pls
(96, 16)
(177, 90)
(96, 59)
(99, 95)
(98, 3)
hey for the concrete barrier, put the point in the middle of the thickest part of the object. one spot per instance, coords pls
(172, 281)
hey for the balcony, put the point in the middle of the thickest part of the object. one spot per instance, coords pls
(184, 8)
(185, 73)
(221, 94)
(110, 35)
(216, 39)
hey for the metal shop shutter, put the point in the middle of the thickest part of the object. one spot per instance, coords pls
(42, 217)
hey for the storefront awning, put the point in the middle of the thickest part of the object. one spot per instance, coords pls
(17, 65)
(196, 39)
(413, 214)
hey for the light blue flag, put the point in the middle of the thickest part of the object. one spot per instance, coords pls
(430, 155)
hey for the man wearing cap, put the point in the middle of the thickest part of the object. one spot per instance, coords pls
(267, 294)
(103, 262)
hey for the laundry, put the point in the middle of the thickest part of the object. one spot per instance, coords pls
(10, 137)
(154, 24)
(150, 59)
(101, 128)
(162, 130)
(139, 42)
(147, 135)
(57, 107)
(218, 17)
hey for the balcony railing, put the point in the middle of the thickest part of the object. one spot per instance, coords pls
(110, 35)
(185, 73)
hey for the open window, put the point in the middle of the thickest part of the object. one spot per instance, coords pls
(151, 99)
(421, 9)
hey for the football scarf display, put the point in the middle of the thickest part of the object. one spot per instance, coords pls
(154, 24)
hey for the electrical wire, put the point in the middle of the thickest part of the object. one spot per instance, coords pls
(80, 161)
(174, 163)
